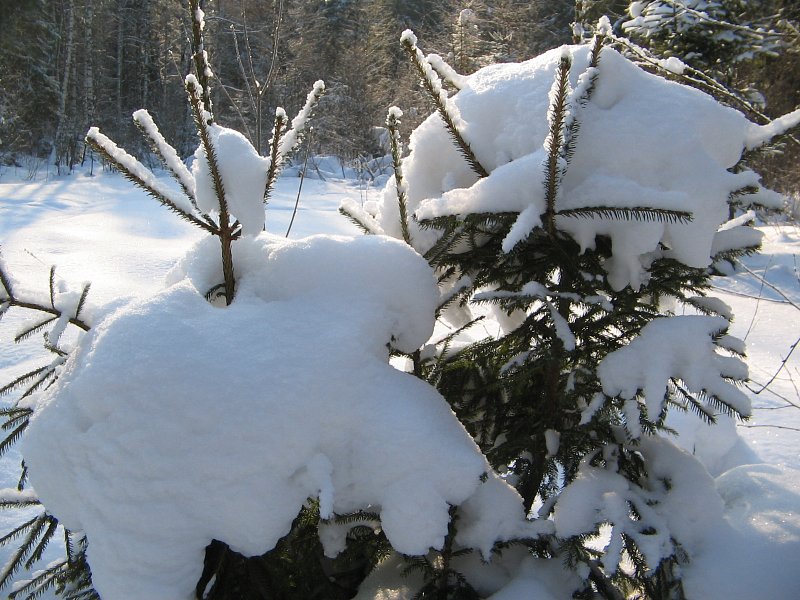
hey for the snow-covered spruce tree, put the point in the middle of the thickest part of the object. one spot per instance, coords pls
(223, 195)
(573, 207)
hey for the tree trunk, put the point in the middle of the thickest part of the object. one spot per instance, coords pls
(63, 92)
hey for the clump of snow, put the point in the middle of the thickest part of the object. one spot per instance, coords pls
(673, 64)
(495, 513)
(176, 422)
(762, 134)
(678, 499)
(244, 178)
(448, 73)
(680, 347)
(644, 142)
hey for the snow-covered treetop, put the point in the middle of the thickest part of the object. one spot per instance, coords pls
(643, 142)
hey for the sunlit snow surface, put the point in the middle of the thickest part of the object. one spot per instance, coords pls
(100, 229)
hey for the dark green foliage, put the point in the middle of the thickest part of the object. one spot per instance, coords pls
(69, 578)
(297, 567)
(442, 581)
(541, 374)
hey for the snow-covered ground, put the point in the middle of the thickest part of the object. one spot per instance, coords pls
(101, 229)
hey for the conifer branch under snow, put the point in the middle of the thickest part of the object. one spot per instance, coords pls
(200, 56)
(360, 218)
(633, 213)
(292, 137)
(166, 153)
(446, 72)
(225, 230)
(10, 299)
(36, 533)
(445, 109)
(275, 156)
(555, 164)
(142, 177)
(393, 124)
(580, 96)
(700, 80)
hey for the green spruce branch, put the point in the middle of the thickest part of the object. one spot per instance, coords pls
(393, 125)
(446, 72)
(36, 534)
(586, 85)
(555, 163)
(225, 230)
(199, 55)
(140, 176)
(167, 155)
(69, 577)
(432, 84)
(10, 299)
(278, 132)
(358, 220)
(633, 213)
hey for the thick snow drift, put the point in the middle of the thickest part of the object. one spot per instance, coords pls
(177, 422)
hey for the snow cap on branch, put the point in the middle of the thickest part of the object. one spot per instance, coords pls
(244, 175)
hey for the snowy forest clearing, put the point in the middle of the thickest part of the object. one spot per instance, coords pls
(101, 229)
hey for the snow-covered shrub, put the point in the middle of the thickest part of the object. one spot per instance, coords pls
(252, 398)
(564, 203)
(243, 433)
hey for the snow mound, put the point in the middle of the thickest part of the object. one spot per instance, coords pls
(643, 142)
(758, 541)
(168, 430)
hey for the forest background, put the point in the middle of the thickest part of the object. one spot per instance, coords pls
(66, 65)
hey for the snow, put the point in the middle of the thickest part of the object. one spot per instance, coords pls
(138, 170)
(244, 178)
(644, 141)
(760, 135)
(173, 161)
(679, 347)
(101, 229)
(292, 137)
(678, 498)
(445, 71)
(317, 412)
(165, 415)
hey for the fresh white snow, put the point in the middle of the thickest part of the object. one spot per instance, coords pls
(165, 415)
(101, 229)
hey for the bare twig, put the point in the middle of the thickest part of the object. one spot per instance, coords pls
(773, 287)
(771, 426)
(780, 368)
(302, 179)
